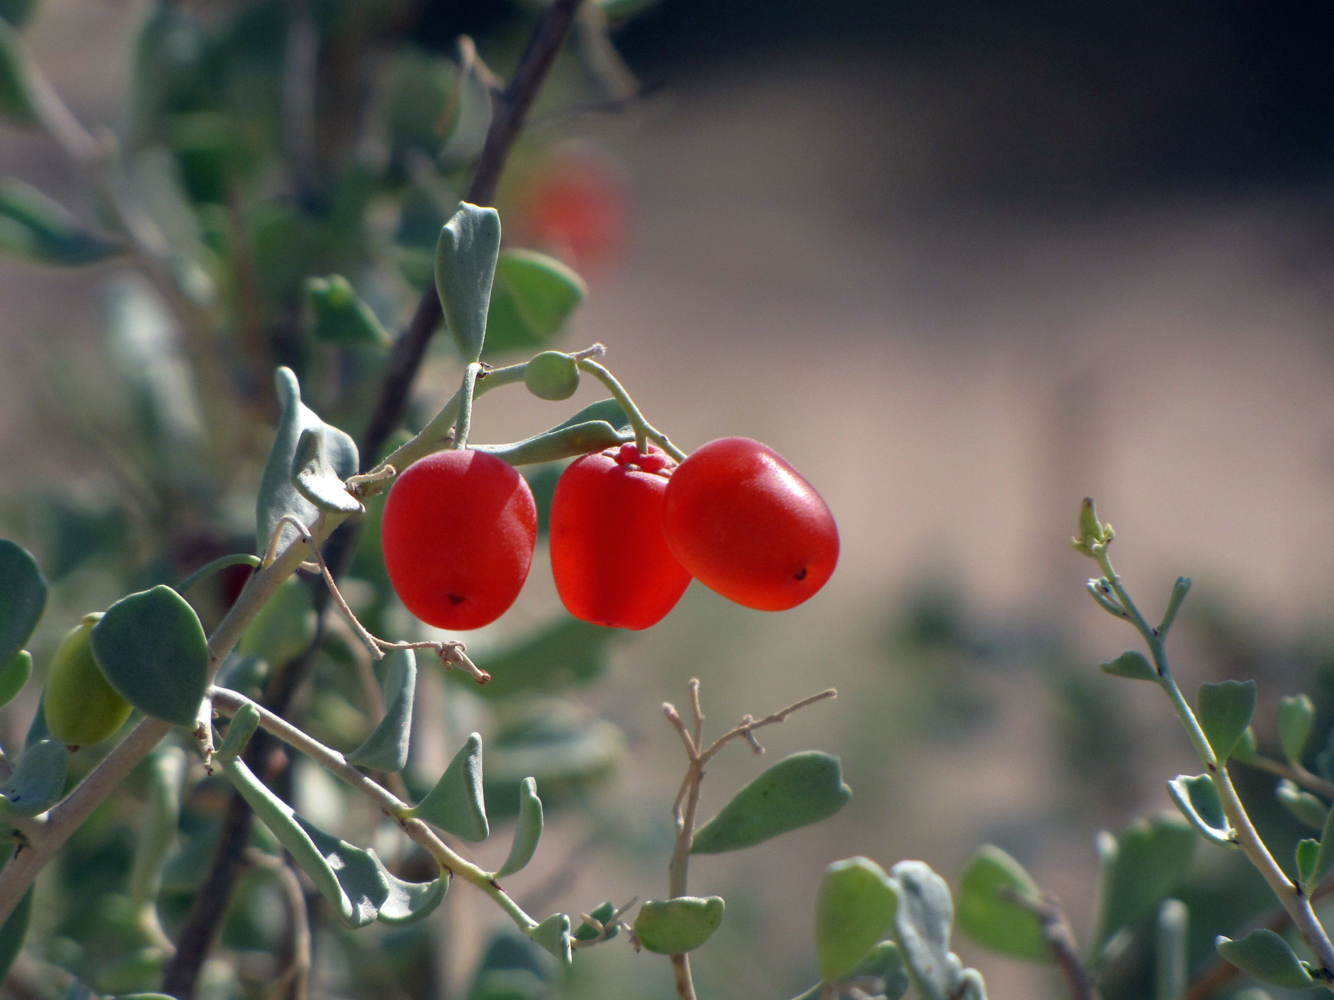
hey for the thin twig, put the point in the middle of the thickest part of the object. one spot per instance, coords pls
(1297, 775)
(1060, 941)
(749, 725)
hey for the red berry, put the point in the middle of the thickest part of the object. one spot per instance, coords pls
(458, 534)
(608, 553)
(747, 525)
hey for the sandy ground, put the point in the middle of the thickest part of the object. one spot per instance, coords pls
(954, 379)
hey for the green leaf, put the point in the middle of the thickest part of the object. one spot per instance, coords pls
(1198, 800)
(1172, 951)
(40, 230)
(527, 832)
(22, 598)
(38, 781)
(1296, 716)
(284, 628)
(855, 905)
(533, 297)
(922, 927)
(465, 268)
(354, 881)
(1225, 710)
(553, 934)
(16, 99)
(386, 749)
(1307, 853)
(278, 496)
(1132, 664)
(1324, 860)
(797, 791)
(1267, 957)
(971, 986)
(1246, 750)
(340, 317)
(12, 933)
(1140, 867)
(603, 915)
(456, 803)
(566, 653)
(607, 410)
(314, 476)
(14, 676)
(993, 920)
(167, 770)
(676, 926)
(152, 649)
(239, 730)
(1308, 808)
(555, 444)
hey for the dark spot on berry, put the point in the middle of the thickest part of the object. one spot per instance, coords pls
(800, 574)
(456, 598)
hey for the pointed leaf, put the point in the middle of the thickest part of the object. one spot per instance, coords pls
(607, 410)
(533, 297)
(603, 914)
(527, 832)
(14, 676)
(386, 749)
(1141, 866)
(1172, 951)
(354, 881)
(676, 926)
(555, 444)
(34, 227)
(340, 317)
(278, 496)
(797, 791)
(1307, 854)
(1225, 710)
(1296, 716)
(1198, 800)
(1308, 808)
(152, 650)
(314, 476)
(1132, 664)
(1267, 957)
(854, 907)
(465, 267)
(456, 803)
(22, 598)
(922, 928)
(553, 934)
(989, 915)
(1324, 859)
(38, 781)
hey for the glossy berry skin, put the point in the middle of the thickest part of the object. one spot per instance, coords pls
(747, 525)
(81, 708)
(608, 553)
(458, 533)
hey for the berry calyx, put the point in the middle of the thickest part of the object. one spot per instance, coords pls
(608, 553)
(743, 522)
(458, 534)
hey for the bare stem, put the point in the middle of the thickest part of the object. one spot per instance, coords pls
(1297, 775)
(1060, 942)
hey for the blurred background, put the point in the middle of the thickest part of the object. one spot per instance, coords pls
(961, 263)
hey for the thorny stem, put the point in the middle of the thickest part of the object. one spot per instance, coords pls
(686, 805)
(644, 431)
(1294, 900)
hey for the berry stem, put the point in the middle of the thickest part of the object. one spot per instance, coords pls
(644, 431)
(465, 397)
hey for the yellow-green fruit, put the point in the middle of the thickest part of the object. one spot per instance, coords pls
(81, 708)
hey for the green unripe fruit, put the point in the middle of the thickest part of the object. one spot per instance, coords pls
(552, 375)
(81, 708)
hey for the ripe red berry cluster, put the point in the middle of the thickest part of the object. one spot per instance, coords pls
(628, 532)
